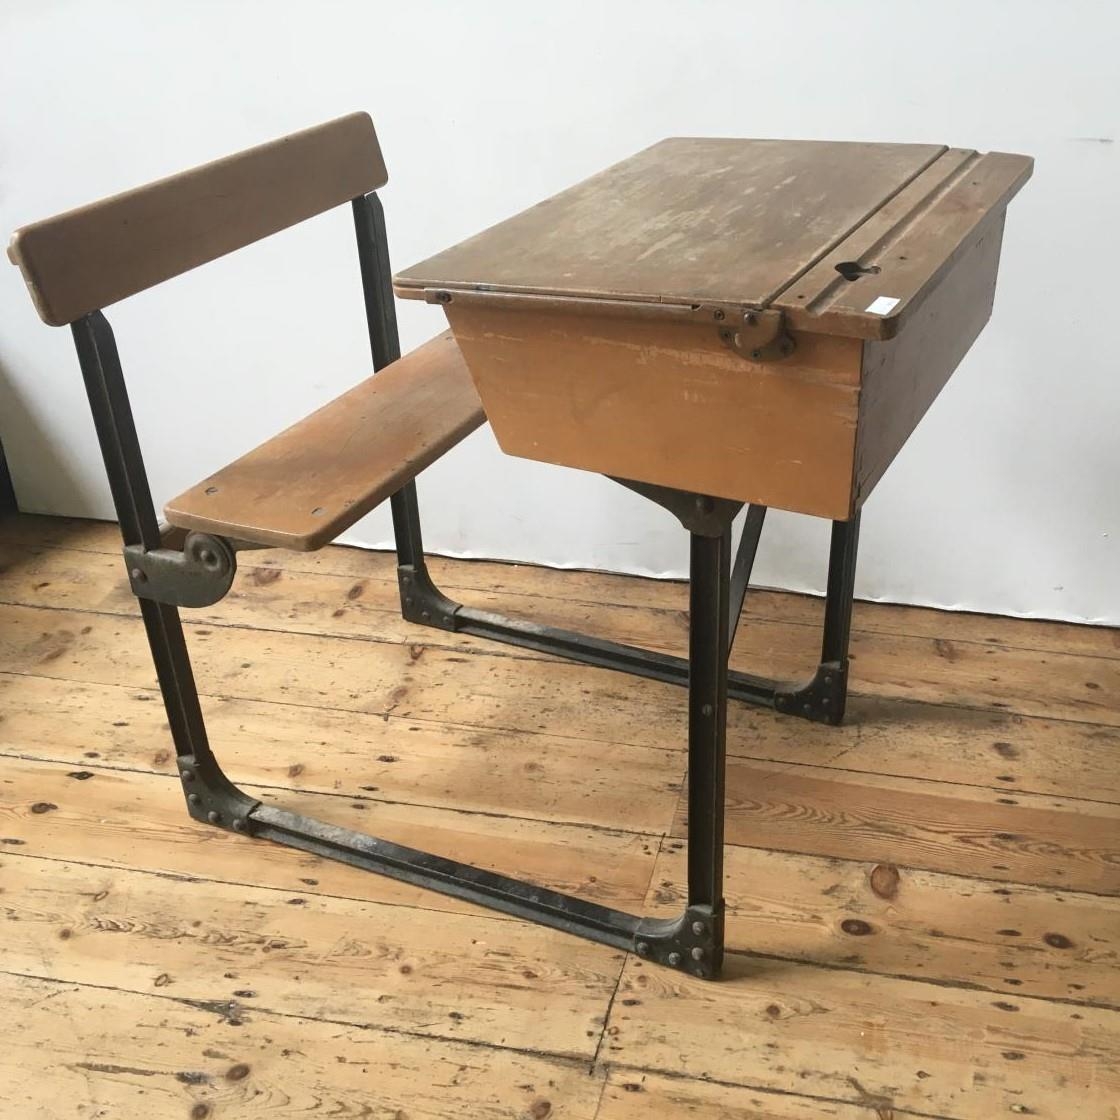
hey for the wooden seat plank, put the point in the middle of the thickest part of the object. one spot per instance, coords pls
(310, 483)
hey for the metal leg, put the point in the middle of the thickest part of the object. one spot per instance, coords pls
(8, 502)
(708, 632)
(841, 591)
(824, 698)
(210, 796)
(744, 563)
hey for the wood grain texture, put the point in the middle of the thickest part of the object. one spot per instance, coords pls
(964, 830)
(689, 220)
(612, 867)
(156, 1054)
(1012, 939)
(310, 483)
(668, 403)
(348, 593)
(635, 1094)
(30, 538)
(368, 757)
(93, 256)
(903, 377)
(886, 1044)
(700, 224)
(464, 977)
(856, 987)
(909, 246)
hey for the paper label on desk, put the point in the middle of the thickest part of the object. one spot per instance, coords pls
(883, 305)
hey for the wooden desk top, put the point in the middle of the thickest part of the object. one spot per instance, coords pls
(691, 225)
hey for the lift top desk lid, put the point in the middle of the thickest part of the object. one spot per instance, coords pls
(744, 224)
(798, 260)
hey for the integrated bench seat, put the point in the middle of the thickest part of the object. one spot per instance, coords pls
(310, 483)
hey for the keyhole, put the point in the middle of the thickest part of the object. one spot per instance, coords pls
(853, 270)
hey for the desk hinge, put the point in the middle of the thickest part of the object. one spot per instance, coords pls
(760, 336)
(197, 576)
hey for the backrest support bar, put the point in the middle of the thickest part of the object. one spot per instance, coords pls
(88, 258)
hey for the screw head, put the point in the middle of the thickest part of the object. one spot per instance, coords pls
(674, 960)
(642, 948)
(698, 928)
(749, 318)
(425, 615)
(697, 953)
(193, 799)
(214, 817)
(238, 824)
(706, 710)
(187, 775)
(138, 575)
(718, 314)
(756, 354)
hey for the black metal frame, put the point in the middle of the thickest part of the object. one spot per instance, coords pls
(8, 502)
(201, 570)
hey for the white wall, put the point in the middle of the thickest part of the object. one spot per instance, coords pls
(1006, 498)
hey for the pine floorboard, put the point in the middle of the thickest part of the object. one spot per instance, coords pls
(923, 905)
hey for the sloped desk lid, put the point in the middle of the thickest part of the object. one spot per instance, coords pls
(693, 224)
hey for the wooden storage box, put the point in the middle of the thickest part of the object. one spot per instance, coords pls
(759, 320)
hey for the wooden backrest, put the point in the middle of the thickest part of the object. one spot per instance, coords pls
(88, 258)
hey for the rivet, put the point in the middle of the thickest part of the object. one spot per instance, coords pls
(213, 817)
(425, 615)
(756, 354)
(408, 601)
(749, 318)
(138, 575)
(706, 710)
(807, 708)
(674, 960)
(193, 799)
(207, 557)
(443, 297)
(187, 775)
(642, 948)
(718, 313)
(698, 928)
(697, 953)
(238, 824)
(825, 701)
(828, 678)
(406, 579)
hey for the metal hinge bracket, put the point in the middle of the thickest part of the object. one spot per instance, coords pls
(760, 336)
(200, 574)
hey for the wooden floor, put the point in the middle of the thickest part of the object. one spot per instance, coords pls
(924, 912)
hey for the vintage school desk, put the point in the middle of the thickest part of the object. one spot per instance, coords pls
(712, 323)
